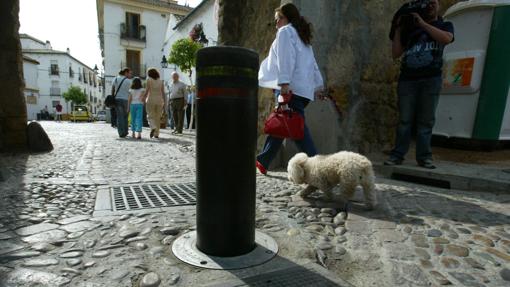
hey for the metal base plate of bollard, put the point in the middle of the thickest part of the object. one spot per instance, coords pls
(184, 248)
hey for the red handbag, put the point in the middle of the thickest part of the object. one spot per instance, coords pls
(285, 124)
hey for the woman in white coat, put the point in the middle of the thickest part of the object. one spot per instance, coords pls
(290, 67)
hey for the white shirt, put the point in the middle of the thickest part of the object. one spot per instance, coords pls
(290, 61)
(178, 90)
(136, 95)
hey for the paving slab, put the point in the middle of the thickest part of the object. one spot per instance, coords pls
(33, 229)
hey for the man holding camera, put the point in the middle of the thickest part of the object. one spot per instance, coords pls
(419, 36)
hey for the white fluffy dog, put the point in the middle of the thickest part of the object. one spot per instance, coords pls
(325, 172)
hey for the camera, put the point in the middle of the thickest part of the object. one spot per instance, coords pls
(405, 20)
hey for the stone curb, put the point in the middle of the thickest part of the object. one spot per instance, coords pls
(455, 181)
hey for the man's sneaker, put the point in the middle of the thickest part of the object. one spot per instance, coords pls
(426, 164)
(393, 161)
(261, 168)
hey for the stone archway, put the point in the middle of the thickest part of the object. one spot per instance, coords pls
(13, 113)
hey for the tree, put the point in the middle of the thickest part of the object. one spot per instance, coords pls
(183, 54)
(75, 95)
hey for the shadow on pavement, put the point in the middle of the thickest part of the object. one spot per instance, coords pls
(12, 200)
(281, 271)
(409, 205)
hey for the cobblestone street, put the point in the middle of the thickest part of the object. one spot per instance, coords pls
(417, 236)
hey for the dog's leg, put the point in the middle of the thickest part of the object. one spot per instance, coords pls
(307, 191)
(329, 194)
(327, 188)
(348, 191)
(369, 192)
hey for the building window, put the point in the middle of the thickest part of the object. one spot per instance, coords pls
(79, 74)
(54, 68)
(55, 89)
(132, 29)
(134, 63)
(32, 99)
(132, 24)
(71, 72)
(54, 103)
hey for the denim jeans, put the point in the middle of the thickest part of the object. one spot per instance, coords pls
(122, 117)
(417, 101)
(136, 111)
(272, 144)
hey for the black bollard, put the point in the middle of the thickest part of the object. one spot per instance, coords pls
(227, 108)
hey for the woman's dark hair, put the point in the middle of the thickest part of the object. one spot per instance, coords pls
(303, 27)
(153, 73)
(136, 84)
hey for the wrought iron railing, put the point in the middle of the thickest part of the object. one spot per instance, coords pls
(138, 33)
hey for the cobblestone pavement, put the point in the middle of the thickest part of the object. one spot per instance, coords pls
(418, 236)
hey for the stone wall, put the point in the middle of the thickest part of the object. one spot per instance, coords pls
(354, 54)
(250, 24)
(13, 113)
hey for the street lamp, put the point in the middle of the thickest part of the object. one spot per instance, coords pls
(164, 65)
(164, 62)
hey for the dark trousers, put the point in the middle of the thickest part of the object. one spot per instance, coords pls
(177, 106)
(272, 144)
(417, 103)
(113, 116)
(188, 116)
(122, 117)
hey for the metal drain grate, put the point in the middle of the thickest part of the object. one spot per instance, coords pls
(145, 196)
(294, 277)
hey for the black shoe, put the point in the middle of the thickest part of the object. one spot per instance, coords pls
(393, 161)
(152, 133)
(427, 164)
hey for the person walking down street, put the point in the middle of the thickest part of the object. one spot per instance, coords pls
(120, 88)
(420, 82)
(135, 104)
(156, 101)
(177, 102)
(189, 107)
(58, 109)
(290, 67)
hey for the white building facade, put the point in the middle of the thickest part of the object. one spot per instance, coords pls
(57, 71)
(131, 33)
(206, 14)
(31, 92)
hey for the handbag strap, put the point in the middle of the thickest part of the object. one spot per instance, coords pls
(118, 88)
